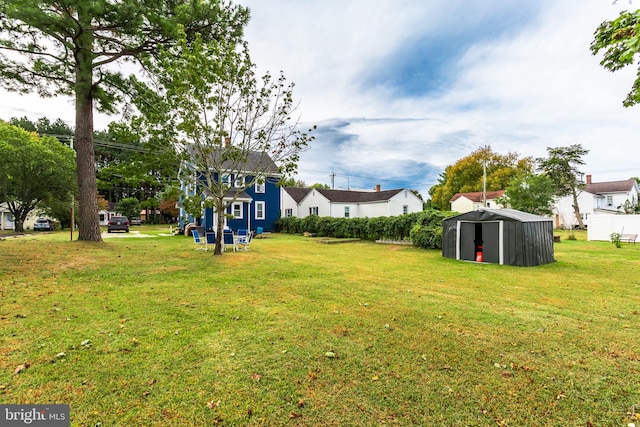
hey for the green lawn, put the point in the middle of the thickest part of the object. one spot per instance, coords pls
(151, 332)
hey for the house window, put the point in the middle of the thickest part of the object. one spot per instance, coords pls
(260, 187)
(405, 209)
(313, 210)
(260, 210)
(237, 210)
(609, 200)
(288, 213)
(239, 182)
(101, 217)
(346, 211)
(226, 179)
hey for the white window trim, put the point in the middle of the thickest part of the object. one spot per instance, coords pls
(233, 210)
(347, 211)
(264, 213)
(260, 187)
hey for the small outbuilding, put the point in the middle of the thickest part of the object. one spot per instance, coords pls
(500, 236)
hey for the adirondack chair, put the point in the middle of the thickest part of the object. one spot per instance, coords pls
(202, 244)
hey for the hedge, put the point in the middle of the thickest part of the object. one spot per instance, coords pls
(424, 228)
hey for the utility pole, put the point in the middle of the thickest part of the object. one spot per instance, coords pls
(484, 183)
(333, 179)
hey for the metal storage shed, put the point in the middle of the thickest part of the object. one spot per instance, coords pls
(500, 236)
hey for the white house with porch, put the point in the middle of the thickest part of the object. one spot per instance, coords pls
(608, 197)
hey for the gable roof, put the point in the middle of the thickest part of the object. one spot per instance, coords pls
(477, 196)
(344, 196)
(297, 193)
(348, 196)
(255, 160)
(610, 186)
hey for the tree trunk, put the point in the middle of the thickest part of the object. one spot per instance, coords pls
(576, 210)
(18, 225)
(219, 207)
(88, 220)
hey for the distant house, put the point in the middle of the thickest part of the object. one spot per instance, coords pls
(302, 202)
(467, 202)
(105, 214)
(6, 218)
(254, 206)
(607, 197)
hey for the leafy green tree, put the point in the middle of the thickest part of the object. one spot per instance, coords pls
(45, 127)
(620, 41)
(129, 165)
(562, 166)
(70, 47)
(129, 207)
(231, 120)
(466, 175)
(34, 170)
(531, 193)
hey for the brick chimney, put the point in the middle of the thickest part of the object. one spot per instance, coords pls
(588, 179)
(377, 188)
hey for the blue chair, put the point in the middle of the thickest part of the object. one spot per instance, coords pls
(229, 240)
(211, 240)
(199, 240)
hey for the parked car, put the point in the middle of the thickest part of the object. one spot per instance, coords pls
(120, 223)
(136, 221)
(43, 224)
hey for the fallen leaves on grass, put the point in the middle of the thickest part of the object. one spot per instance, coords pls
(213, 404)
(21, 368)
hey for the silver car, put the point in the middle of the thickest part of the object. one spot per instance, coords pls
(42, 224)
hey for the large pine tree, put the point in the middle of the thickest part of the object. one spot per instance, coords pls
(69, 47)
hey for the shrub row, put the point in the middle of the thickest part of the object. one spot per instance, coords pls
(424, 229)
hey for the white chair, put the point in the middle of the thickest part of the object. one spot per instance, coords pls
(244, 238)
(202, 244)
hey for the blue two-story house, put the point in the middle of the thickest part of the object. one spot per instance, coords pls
(252, 195)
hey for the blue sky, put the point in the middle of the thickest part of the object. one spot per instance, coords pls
(400, 89)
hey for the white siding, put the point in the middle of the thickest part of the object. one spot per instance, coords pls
(315, 199)
(405, 197)
(287, 202)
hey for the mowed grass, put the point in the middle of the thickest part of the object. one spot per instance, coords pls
(151, 332)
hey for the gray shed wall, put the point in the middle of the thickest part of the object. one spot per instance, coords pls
(524, 243)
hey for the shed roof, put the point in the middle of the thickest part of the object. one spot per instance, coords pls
(499, 214)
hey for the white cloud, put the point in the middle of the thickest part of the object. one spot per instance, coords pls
(531, 83)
